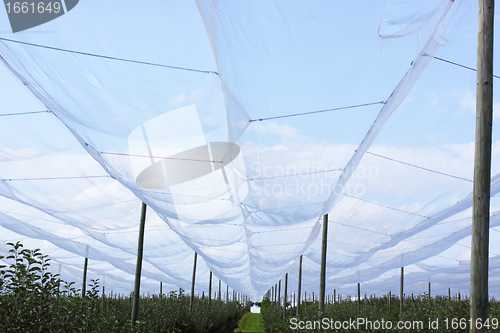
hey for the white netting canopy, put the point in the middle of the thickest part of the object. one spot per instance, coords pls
(239, 124)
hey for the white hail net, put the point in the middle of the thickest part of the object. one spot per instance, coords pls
(206, 111)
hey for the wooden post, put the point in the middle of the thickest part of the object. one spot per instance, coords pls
(227, 294)
(429, 290)
(334, 295)
(161, 289)
(219, 289)
(284, 296)
(84, 284)
(275, 293)
(401, 288)
(390, 301)
(210, 290)
(279, 292)
(322, 283)
(359, 297)
(482, 167)
(192, 283)
(138, 266)
(102, 299)
(300, 283)
(449, 293)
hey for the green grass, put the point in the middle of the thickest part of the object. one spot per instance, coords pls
(251, 323)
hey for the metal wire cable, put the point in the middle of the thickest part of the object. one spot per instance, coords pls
(385, 206)
(459, 65)
(109, 57)
(23, 113)
(53, 178)
(419, 167)
(163, 157)
(295, 174)
(319, 111)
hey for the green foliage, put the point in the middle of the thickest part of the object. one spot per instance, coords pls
(35, 300)
(26, 291)
(419, 309)
(171, 314)
(264, 305)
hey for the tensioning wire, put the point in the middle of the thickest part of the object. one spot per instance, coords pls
(468, 247)
(53, 178)
(437, 255)
(459, 65)
(162, 157)
(385, 206)
(319, 111)
(101, 206)
(23, 113)
(359, 228)
(295, 174)
(109, 57)
(419, 167)
(34, 217)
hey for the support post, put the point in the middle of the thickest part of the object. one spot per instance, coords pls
(429, 290)
(401, 290)
(334, 295)
(192, 283)
(390, 301)
(138, 266)
(284, 296)
(227, 294)
(300, 285)
(103, 295)
(279, 293)
(210, 290)
(219, 290)
(482, 167)
(84, 284)
(275, 293)
(322, 284)
(359, 297)
(161, 289)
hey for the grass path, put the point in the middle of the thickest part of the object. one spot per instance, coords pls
(251, 323)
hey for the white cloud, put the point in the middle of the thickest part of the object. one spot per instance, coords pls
(182, 97)
(177, 99)
(7, 154)
(272, 127)
(466, 100)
